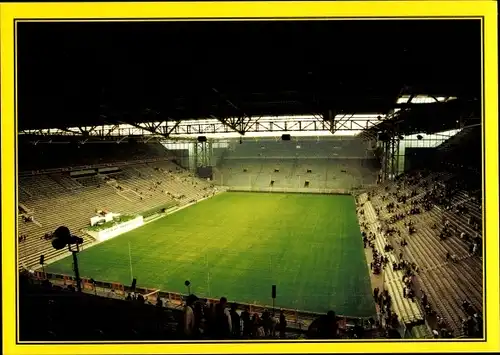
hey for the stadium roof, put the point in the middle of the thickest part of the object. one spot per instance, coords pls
(85, 74)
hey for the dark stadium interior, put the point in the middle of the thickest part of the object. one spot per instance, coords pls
(107, 118)
(84, 74)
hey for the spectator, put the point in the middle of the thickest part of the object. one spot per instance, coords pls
(159, 302)
(479, 325)
(282, 325)
(210, 319)
(235, 321)
(376, 291)
(247, 322)
(198, 318)
(328, 327)
(266, 322)
(424, 298)
(188, 319)
(223, 326)
(358, 329)
(257, 329)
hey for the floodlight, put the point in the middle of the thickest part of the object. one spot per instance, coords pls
(62, 237)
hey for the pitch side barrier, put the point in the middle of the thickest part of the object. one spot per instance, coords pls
(291, 190)
(296, 319)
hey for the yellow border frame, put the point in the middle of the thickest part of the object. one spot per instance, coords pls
(485, 9)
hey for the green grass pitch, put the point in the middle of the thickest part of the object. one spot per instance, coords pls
(239, 244)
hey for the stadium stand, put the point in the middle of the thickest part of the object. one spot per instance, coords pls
(423, 228)
(341, 163)
(95, 115)
(407, 310)
(419, 216)
(132, 189)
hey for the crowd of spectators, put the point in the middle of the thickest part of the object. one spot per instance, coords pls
(135, 317)
(413, 194)
(221, 320)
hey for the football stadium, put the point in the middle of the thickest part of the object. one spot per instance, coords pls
(175, 187)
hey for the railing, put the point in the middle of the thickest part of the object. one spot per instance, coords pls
(94, 166)
(289, 190)
(301, 158)
(299, 319)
